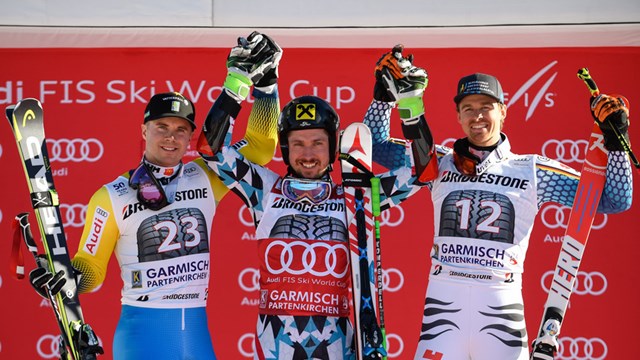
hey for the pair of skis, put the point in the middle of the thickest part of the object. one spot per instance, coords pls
(362, 195)
(589, 191)
(77, 339)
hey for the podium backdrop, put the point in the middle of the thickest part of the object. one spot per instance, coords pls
(94, 98)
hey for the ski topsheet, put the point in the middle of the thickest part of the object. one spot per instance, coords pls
(585, 203)
(26, 120)
(355, 156)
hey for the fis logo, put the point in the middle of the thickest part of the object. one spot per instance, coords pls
(542, 96)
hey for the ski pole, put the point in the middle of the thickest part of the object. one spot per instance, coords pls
(375, 209)
(583, 74)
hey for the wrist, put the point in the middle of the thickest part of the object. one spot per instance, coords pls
(237, 85)
(410, 108)
(268, 89)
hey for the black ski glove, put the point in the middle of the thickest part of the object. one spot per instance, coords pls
(86, 341)
(612, 111)
(44, 282)
(390, 60)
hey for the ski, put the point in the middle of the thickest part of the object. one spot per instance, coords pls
(355, 158)
(26, 119)
(585, 203)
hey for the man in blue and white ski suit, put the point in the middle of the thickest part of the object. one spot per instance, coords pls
(485, 201)
(157, 219)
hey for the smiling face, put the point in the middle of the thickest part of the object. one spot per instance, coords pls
(481, 118)
(309, 152)
(167, 140)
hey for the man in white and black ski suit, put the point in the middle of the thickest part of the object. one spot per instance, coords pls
(301, 226)
(157, 218)
(485, 201)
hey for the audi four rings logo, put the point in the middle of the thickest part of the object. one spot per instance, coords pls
(309, 263)
(391, 347)
(249, 279)
(244, 215)
(557, 216)
(392, 217)
(73, 214)
(247, 345)
(587, 283)
(582, 348)
(388, 275)
(47, 346)
(76, 150)
(448, 142)
(565, 151)
(392, 279)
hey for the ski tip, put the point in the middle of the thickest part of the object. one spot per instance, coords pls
(9, 112)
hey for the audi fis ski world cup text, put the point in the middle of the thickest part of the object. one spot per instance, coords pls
(121, 91)
(249, 281)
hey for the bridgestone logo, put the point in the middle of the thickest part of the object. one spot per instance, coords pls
(181, 297)
(470, 276)
(283, 203)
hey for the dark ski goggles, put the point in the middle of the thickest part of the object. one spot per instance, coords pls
(313, 191)
(465, 165)
(150, 191)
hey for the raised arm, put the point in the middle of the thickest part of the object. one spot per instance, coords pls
(397, 80)
(254, 61)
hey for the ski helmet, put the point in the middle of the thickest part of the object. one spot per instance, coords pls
(308, 112)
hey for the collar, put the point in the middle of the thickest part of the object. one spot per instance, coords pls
(501, 152)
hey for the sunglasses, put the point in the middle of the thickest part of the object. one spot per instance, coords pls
(150, 191)
(313, 191)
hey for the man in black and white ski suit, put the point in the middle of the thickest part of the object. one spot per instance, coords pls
(485, 201)
(301, 226)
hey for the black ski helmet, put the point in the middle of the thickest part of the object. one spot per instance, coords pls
(308, 112)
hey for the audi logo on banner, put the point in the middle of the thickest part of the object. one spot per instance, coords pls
(448, 142)
(244, 215)
(48, 346)
(587, 283)
(247, 345)
(581, 348)
(565, 151)
(557, 216)
(392, 279)
(249, 279)
(392, 217)
(73, 214)
(76, 150)
(394, 350)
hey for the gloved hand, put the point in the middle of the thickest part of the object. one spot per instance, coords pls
(612, 111)
(248, 62)
(402, 81)
(85, 340)
(268, 82)
(43, 281)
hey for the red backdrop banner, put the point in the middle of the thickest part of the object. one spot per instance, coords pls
(94, 100)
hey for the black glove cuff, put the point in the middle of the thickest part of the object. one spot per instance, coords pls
(612, 142)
